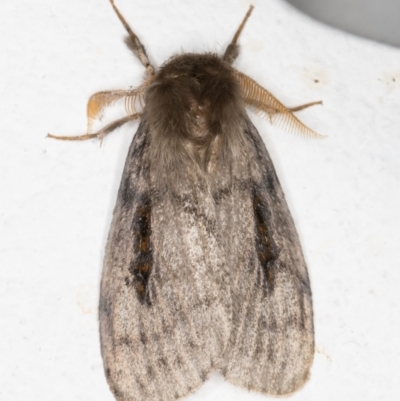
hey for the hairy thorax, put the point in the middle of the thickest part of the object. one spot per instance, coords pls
(195, 113)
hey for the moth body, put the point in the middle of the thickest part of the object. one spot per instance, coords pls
(203, 267)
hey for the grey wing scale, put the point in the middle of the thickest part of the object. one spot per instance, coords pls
(271, 347)
(163, 321)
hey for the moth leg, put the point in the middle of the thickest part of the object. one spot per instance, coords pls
(99, 134)
(134, 44)
(232, 51)
(304, 106)
(263, 101)
(271, 110)
(100, 100)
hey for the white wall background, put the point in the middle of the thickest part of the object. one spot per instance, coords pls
(57, 198)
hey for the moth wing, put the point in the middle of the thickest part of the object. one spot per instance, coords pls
(162, 323)
(271, 346)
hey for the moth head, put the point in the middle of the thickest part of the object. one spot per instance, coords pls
(193, 110)
(193, 91)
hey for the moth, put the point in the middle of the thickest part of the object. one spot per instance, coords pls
(203, 267)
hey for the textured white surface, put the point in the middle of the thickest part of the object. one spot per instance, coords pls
(57, 197)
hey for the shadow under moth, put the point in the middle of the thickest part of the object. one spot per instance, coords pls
(203, 267)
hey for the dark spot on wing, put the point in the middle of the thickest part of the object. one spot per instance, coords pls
(125, 341)
(150, 371)
(143, 338)
(178, 362)
(141, 265)
(271, 353)
(221, 194)
(116, 392)
(265, 247)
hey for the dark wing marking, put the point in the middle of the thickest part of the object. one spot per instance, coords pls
(140, 266)
(163, 325)
(272, 344)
